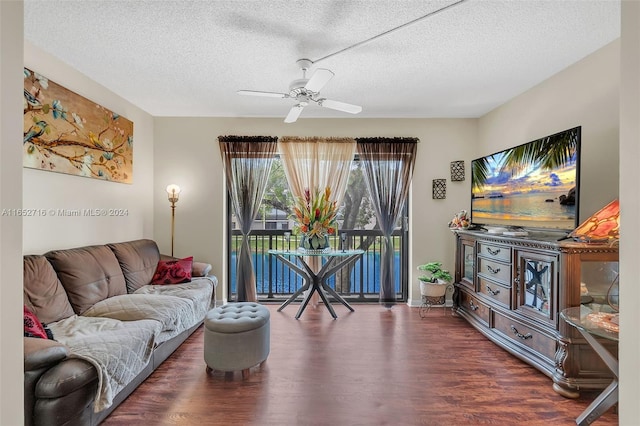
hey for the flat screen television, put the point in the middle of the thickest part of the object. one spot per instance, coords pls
(531, 186)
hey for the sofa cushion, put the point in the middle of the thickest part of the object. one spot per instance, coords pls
(88, 274)
(33, 327)
(173, 271)
(198, 269)
(138, 260)
(42, 291)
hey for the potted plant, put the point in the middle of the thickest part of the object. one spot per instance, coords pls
(435, 284)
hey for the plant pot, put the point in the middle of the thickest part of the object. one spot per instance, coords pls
(433, 289)
(314, 243)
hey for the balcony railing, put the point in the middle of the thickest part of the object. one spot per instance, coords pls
(358, 282)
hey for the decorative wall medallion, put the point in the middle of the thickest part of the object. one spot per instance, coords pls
(439, 189)
(457, 171)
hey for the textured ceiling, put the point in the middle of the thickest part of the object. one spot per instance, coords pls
(188, 58)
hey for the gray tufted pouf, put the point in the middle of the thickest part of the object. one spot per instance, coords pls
(236, 337)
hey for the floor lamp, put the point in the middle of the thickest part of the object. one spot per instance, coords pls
(174, 192)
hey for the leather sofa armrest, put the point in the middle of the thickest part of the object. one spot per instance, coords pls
(200, 269)
(40, 353)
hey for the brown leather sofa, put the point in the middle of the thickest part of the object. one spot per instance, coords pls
(63, 286)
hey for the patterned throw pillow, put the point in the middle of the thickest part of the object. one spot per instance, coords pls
(173, 271)
(33, 327)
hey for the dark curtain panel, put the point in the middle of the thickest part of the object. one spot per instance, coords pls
(387, 164)
(247, 162)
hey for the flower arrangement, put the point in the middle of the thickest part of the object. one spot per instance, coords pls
(460, 220)
(315, 216)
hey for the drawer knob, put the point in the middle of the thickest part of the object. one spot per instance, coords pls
(493, 252)
(520, 335)
(493, 271)
(492, 291)
(473, 306)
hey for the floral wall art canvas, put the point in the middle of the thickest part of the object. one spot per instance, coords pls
(67, 133)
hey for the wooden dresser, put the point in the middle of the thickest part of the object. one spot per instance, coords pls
(512, 289)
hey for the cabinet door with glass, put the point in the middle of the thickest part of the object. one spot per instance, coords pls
(465, 270)
(599, 282)
(536, 285)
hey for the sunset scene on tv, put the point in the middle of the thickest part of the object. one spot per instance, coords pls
(532, 185)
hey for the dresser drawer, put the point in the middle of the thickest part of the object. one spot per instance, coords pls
(527, 336)
(494, 251)
(496, 271)
(499, 294)
(473, 306)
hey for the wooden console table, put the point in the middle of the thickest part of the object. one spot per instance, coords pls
(513, 289)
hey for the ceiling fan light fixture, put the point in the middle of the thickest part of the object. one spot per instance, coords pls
(305, 91)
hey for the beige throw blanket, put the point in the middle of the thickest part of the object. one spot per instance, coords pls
(176, 314)
(199, 292)
(117, 335)
(118, 350)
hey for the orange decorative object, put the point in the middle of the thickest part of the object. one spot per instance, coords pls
(604, 225)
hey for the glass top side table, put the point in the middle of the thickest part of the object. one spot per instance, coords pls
(604, 325)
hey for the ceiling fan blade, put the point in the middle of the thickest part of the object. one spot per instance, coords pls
(294, 113)
(340, 106)
(318, 80)
(259, 93)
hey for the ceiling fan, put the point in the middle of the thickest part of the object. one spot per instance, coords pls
(305, 90)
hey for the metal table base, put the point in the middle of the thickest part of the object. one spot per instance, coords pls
(317, 282)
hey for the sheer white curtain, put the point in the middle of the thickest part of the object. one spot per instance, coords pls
(317, 163)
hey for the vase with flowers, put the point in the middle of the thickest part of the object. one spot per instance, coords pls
(315, 217)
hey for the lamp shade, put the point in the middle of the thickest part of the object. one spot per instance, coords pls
(604, 225)
(173, 189)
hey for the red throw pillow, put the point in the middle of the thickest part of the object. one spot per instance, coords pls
(173, 271)
(33, 327)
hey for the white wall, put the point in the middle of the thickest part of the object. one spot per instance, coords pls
(187, 153)
(629, 348)
(585, 94)
(11, 353)
(48, 190)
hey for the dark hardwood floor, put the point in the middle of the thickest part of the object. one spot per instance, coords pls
(370, 367)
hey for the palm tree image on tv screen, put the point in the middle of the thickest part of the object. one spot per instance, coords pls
(533, 185)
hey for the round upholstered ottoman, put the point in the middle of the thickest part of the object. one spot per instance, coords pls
(236, 337)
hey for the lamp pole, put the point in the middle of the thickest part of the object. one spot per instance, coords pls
(173, 192)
